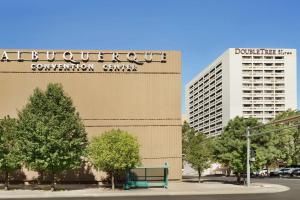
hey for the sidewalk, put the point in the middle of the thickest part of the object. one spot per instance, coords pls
(175, 188)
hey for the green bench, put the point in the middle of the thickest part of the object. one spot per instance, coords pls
(145, 177)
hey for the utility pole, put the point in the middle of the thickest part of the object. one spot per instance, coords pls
(248, 156)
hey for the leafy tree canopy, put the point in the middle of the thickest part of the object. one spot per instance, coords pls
(230, 148)
(114, 151)
(10, 154)
(199, 152)
(52, 133)
(187, 134)
(9, 151)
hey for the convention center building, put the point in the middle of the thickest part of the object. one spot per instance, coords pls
(136, 91)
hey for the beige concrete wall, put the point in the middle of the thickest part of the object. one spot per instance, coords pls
(146, 102)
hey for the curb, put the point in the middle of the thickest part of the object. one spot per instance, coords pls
(255, 189)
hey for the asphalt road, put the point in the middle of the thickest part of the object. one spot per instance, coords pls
(292, 194)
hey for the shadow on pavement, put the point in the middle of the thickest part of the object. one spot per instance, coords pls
(212, 179)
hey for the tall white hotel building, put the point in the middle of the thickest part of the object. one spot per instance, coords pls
(246, 82)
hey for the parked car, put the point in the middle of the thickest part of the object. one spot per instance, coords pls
(286, 171)
(263, 172)
(295, 172)
(274, 172)
(294, 166)
(282, 172)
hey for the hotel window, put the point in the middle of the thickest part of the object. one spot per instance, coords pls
(268, 57)
(246, 57)
(268, 64)
(258, 112)
(258, 91)
(219, 71)
(279, 57)
(269, 112)
(247, 105)
(218, 66)
(247, 84)
(257, 57)
(268, 71)
(269, 98)
(247, 91)
(246, 78)
(279, 64)
(257, 72)
(258, 84)
(247, 98)
(258, 105)
(268, 91)
(269, 105)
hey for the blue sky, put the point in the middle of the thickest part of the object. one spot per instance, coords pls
(200, 29)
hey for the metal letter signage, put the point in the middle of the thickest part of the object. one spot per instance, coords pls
(246, 51)
(4, 56)
(83, 61)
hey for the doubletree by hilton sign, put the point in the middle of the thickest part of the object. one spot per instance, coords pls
(83, 61)
(262, 51)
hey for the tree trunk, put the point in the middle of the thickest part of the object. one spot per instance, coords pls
(53, 182)
(199, 175)
(40, 178)
(112, 181)
(6, 181)
(238, 177)
(228, 172)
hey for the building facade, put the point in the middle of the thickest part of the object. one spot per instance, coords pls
(135, 91)
(246, 82)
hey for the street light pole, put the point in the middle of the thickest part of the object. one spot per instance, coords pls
(248, 156)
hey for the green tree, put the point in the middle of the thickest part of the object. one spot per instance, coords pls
(52, 133)
(114, 151)
(10, 159)
(266, 149)
(230, 147)
(280, 143)
(221, 145)
(187, 134)
(199, 153)
(288, 138)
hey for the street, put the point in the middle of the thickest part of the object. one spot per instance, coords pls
(292, 194)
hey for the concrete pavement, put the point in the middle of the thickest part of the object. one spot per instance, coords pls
(175, 188)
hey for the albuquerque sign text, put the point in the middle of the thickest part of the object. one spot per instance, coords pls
(82, 61)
